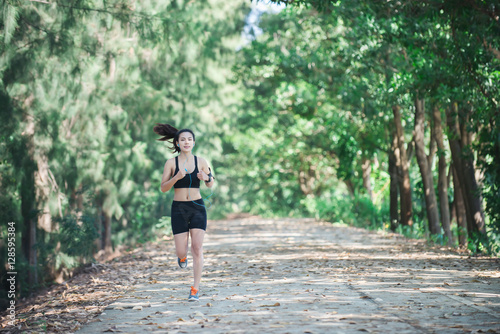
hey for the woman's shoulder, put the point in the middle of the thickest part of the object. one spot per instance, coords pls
(201, 160)
(171, 161)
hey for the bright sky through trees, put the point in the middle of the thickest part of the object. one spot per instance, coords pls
(252, 29)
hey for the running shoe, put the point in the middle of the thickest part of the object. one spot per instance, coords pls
(183, 263)
(193, 295)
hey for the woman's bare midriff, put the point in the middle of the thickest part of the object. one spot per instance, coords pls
(186, 194)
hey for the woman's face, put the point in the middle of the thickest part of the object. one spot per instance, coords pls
(186, 141)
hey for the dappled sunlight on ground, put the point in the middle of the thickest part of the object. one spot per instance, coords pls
(296, 276)
(291, 276)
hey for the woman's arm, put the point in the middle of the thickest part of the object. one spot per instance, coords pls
(204, 173)
(166, 181)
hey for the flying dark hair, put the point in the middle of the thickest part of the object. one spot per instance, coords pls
(169, 132)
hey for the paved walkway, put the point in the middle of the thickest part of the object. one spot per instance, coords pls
(301, 276)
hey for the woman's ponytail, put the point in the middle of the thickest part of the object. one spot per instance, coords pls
(167, 132)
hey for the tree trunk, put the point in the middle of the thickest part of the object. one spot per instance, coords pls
(404, 181)
(393, 174)
(350, 187)
(28, 238)
(425, 171)
(28, 203)
(42, 193)
(443, 177)
(366, 166)
(433, 147)
(108, 247)
(99, 242)
(308, 176)
(459, 209)
(465, 172)
(473, 192)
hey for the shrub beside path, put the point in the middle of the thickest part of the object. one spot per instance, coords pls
(281, 276)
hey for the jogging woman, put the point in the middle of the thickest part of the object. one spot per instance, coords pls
(189, 217)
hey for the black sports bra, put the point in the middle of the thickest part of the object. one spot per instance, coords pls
(184, 182)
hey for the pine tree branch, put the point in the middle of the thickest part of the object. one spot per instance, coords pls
(108, 11)
(26, 45)
(99, 10)
(36, 27)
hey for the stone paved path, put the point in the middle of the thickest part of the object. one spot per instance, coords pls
(302, 276)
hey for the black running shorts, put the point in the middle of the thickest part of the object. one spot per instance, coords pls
(188, 215)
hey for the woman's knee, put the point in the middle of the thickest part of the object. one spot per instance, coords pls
(196, 249)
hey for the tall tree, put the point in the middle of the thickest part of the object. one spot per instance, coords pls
(89, 80)
(404, 182)
(435, 43)
(462, 162)
(442, 174)
(425, 169)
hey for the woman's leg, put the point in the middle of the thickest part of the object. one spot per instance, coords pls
(181, 244)
(197, 236)
(180, 228)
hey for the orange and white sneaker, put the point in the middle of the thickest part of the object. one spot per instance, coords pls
(193, 295)
(183, 263)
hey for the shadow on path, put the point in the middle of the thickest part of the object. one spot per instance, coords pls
(302, 276)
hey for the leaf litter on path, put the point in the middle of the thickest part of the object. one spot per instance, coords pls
(350, 279)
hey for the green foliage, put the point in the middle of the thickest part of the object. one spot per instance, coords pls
(490, 143)
(76, 234)
(358, 211)
(163, 226)
(89, 80)
(341, 65)
(286, 121)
